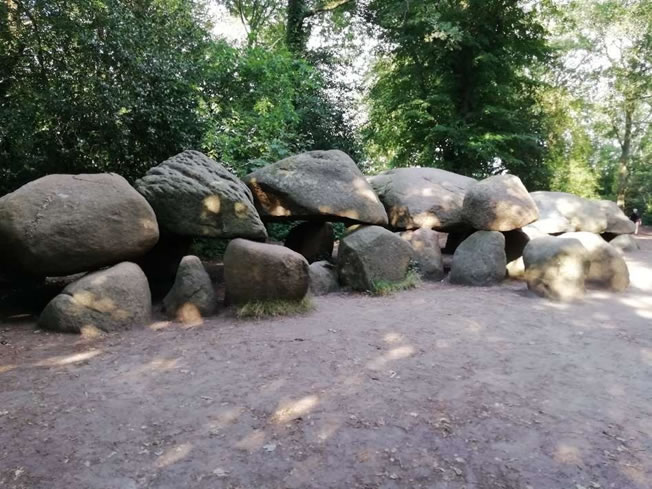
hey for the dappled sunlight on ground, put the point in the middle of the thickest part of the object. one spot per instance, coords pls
(289, 410)
(442, 386)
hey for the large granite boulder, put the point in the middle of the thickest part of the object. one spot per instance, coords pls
(427, 252)
(480, 259)
(617, 221)
(607, 266)
(323, 278)
(313, 240)
(499, 203)
(258, 271)
(114, 299)
(194, 195)
(625, 242)
(318, 185)
(65, 224)
(371, 255)
(560, 212)
(556, 268)
(422, 197)
(192, 296)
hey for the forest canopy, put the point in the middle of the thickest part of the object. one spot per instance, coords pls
(558, 92)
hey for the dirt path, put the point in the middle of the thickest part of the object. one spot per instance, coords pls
(440, 388)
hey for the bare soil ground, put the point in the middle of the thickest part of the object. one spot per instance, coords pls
(442, 387)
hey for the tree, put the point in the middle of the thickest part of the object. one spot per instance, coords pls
(454, 89)
(89, 85)
(321, 112)
(294, 16)
(608, 61)
(257, 16)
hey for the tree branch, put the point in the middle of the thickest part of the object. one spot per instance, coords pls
(327, 7)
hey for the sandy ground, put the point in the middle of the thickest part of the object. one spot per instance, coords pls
(441, 388)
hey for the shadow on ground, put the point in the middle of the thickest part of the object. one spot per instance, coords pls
(442, 387)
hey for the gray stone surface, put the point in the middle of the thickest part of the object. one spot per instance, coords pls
(556, 268)
(372, 254)
(422, 197)
(65, 224)
(480, 259)
(258, 271)
(560, 212)
(194, 195)
(114, 299)
(607, 266)
(318, 185)
(323, 278)
(499, 203)
(192, 296)
(625, 242)
(617, 221)
(427, 253)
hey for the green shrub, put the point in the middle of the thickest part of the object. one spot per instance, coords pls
(209, 248)
(274, 308)
(384, 287)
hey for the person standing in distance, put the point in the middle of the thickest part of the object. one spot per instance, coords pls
(636, 219)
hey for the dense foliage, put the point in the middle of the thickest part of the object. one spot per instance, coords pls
(555, 91)
(107, 85)
(453, 90)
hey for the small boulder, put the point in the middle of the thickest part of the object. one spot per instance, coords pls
(114, 299)
(317, 185)
(313, 240)
(427, 253)
(556, 268)
(617, 221)
(65, 224)
(499, 203)
(560, 212)
(192, 296)
(607, 267)
(422, 197)
(323, 278)
(196, 196)
(258, 271)
(625, 242)
(480, 259)
(370, 255)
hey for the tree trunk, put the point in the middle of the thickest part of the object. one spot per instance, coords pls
(625, 156)
(295, 35)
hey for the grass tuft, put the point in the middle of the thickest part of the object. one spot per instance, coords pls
(383, 287)
(274, 308)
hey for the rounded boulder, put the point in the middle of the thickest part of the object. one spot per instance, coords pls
(259, 271)
(64, 224)
(480, 259)
(556, 268)
(370, 255)
(114, 299)
(499, 203)
(323, 278)
(196, 196)
(422, 197)
(317, 185)
(608, 268)
(192, 296)
(427, 252)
